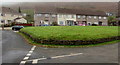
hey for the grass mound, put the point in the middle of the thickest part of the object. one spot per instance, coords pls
(71, 35)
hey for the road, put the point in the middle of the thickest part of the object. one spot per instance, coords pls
(16, 50)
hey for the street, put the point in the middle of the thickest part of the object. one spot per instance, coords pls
(16, 50)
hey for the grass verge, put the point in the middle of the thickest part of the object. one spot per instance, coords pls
(30, 41)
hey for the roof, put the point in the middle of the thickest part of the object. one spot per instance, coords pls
(9, 11)
(71, 11)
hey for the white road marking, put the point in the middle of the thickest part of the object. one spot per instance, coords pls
(35, 62)
(30, 51)
(66, 55)
(22, 62)
(75, 54)
(28, 54)
(26, 58)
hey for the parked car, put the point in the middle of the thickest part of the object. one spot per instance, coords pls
(45, 25)
(17, 28)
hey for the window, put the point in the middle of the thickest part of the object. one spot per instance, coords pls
(69, 16)
(73, 16)
(46, 15)
(104, 17)
(90, 17)
(61, 22)
(60, 16)
(2, 15)
(100, 17)
(84, 16)
(95, 17)
(39, 14)
(78, 16)
(53, 15)
(2, 21)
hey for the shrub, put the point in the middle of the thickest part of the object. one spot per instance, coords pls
(94, 25)
(54, 24)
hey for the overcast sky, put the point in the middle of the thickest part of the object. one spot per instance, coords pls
(59, 0)
(6, 2)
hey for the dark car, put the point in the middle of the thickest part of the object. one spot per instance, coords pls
(17, 28)
(45, 25)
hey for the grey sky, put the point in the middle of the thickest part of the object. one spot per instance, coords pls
(7, 2)
(59, 0)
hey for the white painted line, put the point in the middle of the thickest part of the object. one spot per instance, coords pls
(66, 55)
(22, 62)
(37, 59)
(75, 54)
(35, 62)
(26, 58)
(30, 51)
(28, 54)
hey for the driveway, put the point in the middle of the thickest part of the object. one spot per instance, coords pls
(17, 50)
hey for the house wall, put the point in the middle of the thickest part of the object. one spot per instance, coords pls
(64, 17)
(22, 20)
(8, 18)
(92, 19)
(43, 19)
(61, 19)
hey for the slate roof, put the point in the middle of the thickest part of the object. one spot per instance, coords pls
(9, 11)
(70, 11)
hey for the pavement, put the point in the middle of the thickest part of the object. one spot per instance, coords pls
(16, 50)
(6, 28)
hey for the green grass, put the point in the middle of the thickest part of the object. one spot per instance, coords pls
(30, 41)
(71, 32)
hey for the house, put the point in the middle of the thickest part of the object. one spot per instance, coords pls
(69, 17)
(8, 15)
(118, 16)
(20, 20)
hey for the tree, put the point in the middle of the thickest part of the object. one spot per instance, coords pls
(19, 10)
(112, 20)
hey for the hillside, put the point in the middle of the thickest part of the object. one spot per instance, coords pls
(102, 6)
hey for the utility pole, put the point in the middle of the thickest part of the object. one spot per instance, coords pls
(19, 10)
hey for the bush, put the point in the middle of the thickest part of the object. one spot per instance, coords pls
(94, 25)
(54, 24)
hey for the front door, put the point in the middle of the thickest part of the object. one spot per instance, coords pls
(70, 22)
(84, 22)
(100, 23)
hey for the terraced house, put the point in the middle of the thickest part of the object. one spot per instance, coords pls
(69, 17)
(9, 15)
